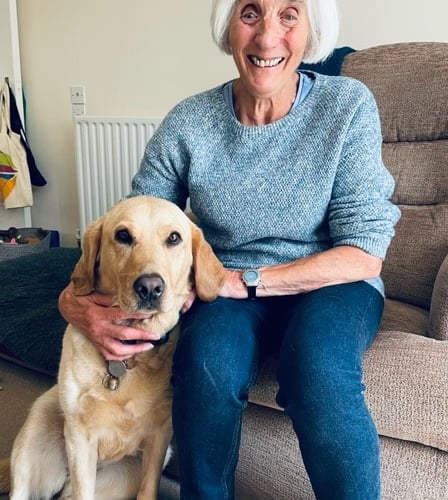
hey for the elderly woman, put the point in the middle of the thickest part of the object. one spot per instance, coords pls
(284, 172)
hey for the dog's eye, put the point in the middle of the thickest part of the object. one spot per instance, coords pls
(123, 236)
(174, 238)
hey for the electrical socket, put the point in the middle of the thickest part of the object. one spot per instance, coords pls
(78, 94)
(78, 109)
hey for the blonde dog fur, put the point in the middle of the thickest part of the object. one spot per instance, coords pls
(80, 437)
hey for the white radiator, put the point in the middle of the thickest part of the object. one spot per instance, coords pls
(108, 152)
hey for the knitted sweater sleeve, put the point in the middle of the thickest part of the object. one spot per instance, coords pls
(360, 212)
(163, 170)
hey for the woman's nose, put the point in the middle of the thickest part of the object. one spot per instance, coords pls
(268, 33)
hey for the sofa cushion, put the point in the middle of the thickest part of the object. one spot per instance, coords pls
(32, 327)
(406, 387)
(421, 242)
(416, 253)
(420, 171)
(438, 315)
(410, 109)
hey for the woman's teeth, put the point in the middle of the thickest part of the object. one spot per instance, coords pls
(266, 63)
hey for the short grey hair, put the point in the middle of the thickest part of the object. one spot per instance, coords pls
(324, 27)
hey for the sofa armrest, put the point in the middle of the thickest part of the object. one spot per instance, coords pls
(438, 314)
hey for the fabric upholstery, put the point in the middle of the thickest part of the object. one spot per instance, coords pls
(406, 379)
(415, 134)
(427, 162)
(410, 109)
(416, 253)
(438, 316)
(32, 328)
(270, 466)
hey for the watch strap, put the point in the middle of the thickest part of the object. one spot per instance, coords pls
(251, 278)
(251, 292)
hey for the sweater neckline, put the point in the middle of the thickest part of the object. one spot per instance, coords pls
(285, 121)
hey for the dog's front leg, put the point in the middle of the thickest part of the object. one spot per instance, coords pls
(154, 460)
(82, 456)
(38, 462)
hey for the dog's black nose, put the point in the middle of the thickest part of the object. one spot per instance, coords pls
(149, 288)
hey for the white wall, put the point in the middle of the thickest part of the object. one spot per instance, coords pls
(138, 58)
(367, 23)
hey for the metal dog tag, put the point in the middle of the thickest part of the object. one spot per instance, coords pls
(116, 368)
(110, 382)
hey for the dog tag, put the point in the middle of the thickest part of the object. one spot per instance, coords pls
(110, 382)
(116, 368)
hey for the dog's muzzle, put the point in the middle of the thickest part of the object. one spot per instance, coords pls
(149, 289)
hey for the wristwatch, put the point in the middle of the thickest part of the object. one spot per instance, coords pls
(251, 278)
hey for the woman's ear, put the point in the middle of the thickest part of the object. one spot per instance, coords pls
(209, 273)
(83, 276)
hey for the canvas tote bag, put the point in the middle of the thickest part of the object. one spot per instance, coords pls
(15, 183)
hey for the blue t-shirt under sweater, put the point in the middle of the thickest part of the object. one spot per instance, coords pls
(274, 193)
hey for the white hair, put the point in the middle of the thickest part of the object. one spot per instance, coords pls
(324, 27)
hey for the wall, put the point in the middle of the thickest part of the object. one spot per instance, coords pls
(140, 57)
(365, 23)
(10, 68)
(135, 58)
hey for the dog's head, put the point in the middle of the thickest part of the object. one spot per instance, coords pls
(147, 254)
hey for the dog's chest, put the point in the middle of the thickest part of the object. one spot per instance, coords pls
(118, 421)
(115, 421)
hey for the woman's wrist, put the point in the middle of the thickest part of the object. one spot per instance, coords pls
(233, 287)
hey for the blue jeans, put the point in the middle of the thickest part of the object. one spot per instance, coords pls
(321, 337)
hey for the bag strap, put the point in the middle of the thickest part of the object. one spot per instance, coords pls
(4, 108)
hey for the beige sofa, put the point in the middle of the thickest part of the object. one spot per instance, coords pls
(406, 369)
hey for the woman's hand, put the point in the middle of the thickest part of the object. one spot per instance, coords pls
(98, 319)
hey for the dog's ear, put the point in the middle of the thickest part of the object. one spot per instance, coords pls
(83, 276)
(209, 273)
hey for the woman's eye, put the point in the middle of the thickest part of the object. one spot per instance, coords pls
(290, 16)
(124, 236)
(249, 16)
(174, 238)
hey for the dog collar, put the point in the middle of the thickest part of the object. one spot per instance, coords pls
(116, 369)
(155, 343)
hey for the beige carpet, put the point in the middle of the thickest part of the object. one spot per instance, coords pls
(19, 388)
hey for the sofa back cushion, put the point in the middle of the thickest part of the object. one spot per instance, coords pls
(410, 84)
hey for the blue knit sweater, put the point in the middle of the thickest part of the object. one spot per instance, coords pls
(273, 193)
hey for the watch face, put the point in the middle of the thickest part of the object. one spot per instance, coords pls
(250, 275)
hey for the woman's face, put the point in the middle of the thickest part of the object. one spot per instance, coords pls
(268, 39)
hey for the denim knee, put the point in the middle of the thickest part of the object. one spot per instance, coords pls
(321, 353)
(217, 351)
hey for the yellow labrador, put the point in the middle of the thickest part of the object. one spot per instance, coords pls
(103, 431)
